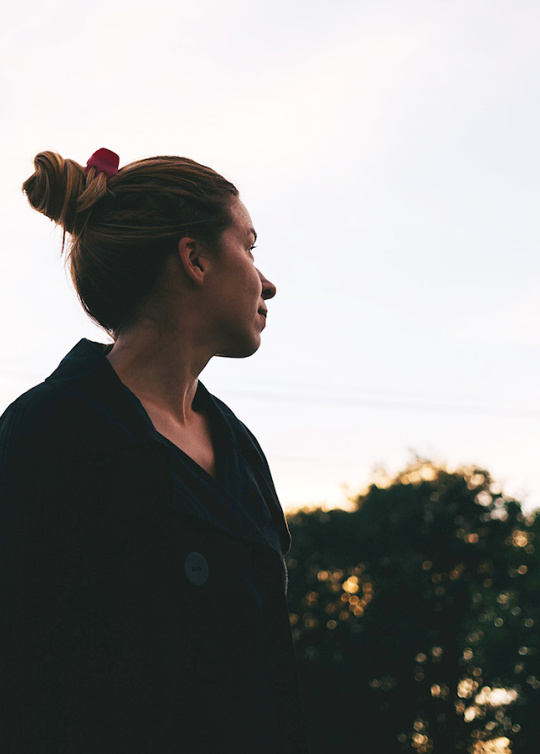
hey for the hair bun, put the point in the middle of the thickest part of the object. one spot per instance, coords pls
(63, 191)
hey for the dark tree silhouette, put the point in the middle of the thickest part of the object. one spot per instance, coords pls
(416, 616)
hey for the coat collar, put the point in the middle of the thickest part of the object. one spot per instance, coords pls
(111, 419)
(102, 398)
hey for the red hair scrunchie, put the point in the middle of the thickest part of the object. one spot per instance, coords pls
(104, 161)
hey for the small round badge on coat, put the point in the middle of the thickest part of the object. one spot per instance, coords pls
(196, 568)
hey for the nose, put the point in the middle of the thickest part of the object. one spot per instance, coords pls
(268, 288)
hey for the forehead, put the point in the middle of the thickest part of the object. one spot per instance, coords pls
(241, 219)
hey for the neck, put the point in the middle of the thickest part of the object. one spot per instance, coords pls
(161, 369)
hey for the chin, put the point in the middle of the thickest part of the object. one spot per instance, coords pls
(240, 350)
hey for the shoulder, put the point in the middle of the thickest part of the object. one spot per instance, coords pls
(41, 410)
(37, 437)
(82, 406)
(39, 451)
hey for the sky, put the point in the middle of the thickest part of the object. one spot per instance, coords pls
(388, 155)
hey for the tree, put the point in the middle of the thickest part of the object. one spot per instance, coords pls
(414, 616)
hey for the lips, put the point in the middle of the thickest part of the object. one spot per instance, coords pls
(263, 313)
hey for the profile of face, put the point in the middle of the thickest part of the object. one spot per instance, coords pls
(238, 291)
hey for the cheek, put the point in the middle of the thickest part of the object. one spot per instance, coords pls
(249, 284)
(256, 281)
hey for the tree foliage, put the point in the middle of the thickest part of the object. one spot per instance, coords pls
(416, 617)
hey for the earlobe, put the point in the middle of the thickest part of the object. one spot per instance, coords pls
(192, 259)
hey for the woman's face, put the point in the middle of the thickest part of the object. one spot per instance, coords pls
(238, 291)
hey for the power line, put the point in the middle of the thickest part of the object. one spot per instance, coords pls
(355, 401)
(384, 403)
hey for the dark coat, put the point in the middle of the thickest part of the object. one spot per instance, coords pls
(137, 615)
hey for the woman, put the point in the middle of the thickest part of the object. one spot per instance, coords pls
(141, 539)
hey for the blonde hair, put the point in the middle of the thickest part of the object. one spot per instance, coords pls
(122, 228)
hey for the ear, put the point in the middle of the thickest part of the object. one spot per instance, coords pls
(194, 259)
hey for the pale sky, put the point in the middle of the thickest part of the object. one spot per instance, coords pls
(388, 155)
